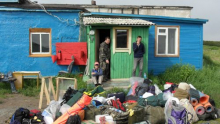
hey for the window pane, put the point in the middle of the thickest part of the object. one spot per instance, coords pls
(35, 42)
(171, 41)
(45, 42)
(162, 30)
(121, 38)
(161, 44)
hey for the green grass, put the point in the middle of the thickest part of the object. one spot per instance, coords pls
(4, 89)
(30, 88)
(211, 43)
(212, 53)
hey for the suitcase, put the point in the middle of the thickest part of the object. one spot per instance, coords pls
(120, 95)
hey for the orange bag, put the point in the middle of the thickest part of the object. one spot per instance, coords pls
(208, 107)
(81, 103)
(204, 99)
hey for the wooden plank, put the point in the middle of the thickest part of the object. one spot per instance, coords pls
(47, 94)
(57, 90)
(52, 87)
(19, 81)
(41, 93)
(58, 79)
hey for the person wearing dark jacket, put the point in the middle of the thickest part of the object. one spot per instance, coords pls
(97, 74)
(139, 52)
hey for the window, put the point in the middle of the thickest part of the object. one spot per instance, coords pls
(167, 41)
(122, 39)
(40, 42)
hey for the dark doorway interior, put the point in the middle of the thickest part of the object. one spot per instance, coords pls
(100, 37)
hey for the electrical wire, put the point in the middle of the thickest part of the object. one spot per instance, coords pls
(60, 19)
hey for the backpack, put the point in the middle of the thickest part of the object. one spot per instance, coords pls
(138, 115)
(19, 115)
(155, 115)
(68, 95)
(90, 112)
(147, 81)
(140, 90)
(193, 116)
(73, 119)
(178, 114)
(152, 90)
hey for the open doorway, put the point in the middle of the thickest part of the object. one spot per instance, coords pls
(100, 37)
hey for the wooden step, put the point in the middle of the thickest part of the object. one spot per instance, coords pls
(124, 84)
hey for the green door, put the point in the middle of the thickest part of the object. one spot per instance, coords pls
(121, 62)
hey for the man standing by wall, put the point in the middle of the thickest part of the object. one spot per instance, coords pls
(104, 58)
(139, 51)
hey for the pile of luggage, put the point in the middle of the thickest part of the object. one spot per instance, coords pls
(145, 103)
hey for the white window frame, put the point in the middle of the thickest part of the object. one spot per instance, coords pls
(128, 49)
(177, 34)
(40, 43)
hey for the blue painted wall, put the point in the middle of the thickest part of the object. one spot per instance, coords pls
(14, 39)
(191, 47)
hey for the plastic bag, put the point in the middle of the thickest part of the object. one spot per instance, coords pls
(132, 89)
(64, 108)
(147, 95)
(168, 105)
(100, 99)
(136, 79)
(191, 86)
(167, 86)
(157, 90)
(48, 120)
(53, 107)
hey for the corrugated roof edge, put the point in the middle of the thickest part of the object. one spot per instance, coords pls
(150, 17)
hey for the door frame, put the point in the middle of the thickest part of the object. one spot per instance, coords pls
(92, 44)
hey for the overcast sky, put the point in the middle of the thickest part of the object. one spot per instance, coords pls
(205, 9)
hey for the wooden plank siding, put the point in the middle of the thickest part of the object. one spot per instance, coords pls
(122, 63)
(191, 47)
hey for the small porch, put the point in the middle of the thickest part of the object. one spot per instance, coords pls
(119, 83)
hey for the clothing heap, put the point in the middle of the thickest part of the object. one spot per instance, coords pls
(145, 103)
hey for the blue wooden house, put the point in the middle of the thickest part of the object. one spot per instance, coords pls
(28, 36)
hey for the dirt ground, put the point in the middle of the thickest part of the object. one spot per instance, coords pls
(12, 102)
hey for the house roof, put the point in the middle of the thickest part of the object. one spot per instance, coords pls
(115, 21)
(146, 17)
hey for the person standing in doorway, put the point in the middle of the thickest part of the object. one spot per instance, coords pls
(97, 74)
(104, 58)
(139, 51)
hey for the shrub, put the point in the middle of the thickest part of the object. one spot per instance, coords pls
(177, 73)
